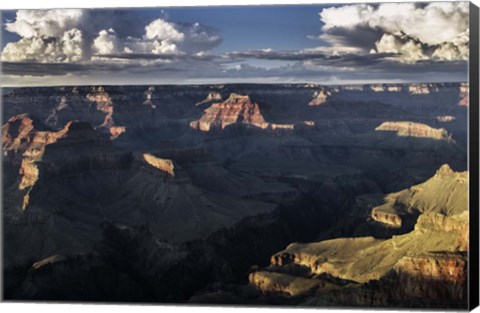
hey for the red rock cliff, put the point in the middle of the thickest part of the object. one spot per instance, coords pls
(236, 109)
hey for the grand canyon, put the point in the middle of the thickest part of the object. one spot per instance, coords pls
(245, 194)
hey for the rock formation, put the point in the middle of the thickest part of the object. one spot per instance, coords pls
(426, 263)
(377, 88)
(287, 285)
(424, 198)
(164, 165)
(353, 88)
(419, 89)
(20, 137)
(236, 109)
(148, 97)
(412, 129)
(394, 88)
(52, 119)
(104, 104)
(445, 118)
(212, 96)
(464, 95)
(319, 98)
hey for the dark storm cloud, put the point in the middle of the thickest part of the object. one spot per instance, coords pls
(359, 38)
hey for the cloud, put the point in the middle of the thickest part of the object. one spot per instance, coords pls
(44, 23)
(415, 31)
(163, 30)
(106, 42)
(59, 36)
(66, 48)
(160, 38)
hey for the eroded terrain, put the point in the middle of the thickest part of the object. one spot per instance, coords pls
(248, 194)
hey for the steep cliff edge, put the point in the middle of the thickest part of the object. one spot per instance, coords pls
(425, 198)
(426, 264)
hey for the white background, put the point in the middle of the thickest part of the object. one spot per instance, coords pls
(81, 308)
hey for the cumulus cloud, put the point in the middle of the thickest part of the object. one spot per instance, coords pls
(66, 48)
(46, 36)
(106, 42)
(51, 36)
(44, 23)
(415, 31)
(161, 37)
(163, 30)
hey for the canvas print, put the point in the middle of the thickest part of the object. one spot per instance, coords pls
(296, 155)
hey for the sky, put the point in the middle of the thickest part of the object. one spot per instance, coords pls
(326, 44)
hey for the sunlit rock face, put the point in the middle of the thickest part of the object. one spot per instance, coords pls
(236, 109)
(104, 104)
(20, 136)
(412, 129)
(319, 98)
(445, 118)
(164, 165)
(116, 131)
(377, 88)
(274, 126)
(428, 263)
(389, 218)
(423, 198)
(394, 88)
(464, 95)
(419, 89)
(212, 96)
(101, 98)
(436, 276)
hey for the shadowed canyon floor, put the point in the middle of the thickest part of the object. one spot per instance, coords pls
(246, 193)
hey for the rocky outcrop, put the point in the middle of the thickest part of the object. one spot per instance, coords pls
(319, 98)
(275, 126)
(101, 98)
(353, 88)
(236, 109)
(104, 104)
(388, 218)
(424, 198)
(116, 131)
(394, 88)
(285, 284)
(445, 118)
(164, 165)
(412, 129)
(17, 133)
(377, 88)
(464, 95)
(427, 263)
(148, 97)
(438, 276)
(212, 96)
(419, 89)
(52, 119)
(20, 137)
